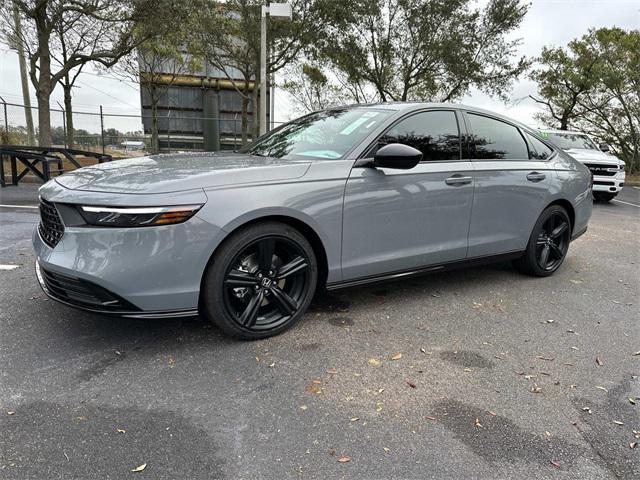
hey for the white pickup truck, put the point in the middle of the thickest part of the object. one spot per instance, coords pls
(608, 170)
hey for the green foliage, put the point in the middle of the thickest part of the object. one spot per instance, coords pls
(594, 85)
(311, 89)
(422, 49)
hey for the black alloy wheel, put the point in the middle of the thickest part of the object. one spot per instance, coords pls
(267, 284)
(548, 244)
(553, 241)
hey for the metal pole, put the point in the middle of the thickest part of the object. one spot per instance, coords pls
(6, 119)
(102, 129)
(169, 131)
(64, 124)
(263, 71)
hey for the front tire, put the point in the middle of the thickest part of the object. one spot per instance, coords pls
(260, 281)
(603, 196)
(548, 243)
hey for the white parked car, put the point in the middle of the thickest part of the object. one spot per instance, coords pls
(607, 169)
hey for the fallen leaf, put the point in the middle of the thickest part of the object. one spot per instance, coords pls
(576, 281)
(536, 390)
(355, 419)
(374, 362)
(140, 468)
(599, 361)
(633, 444)
(316, 381)
(344, 459)
(476, 305)
(547, 434)
(380, 390)
(303, 407)
(430, 418)
(637, 353)
(423, 350)
(121, 430)
(493, 414)
(11, 413)
(550, 320)
(313, 388)
(332, 371)
(548, 359)
(477, 423)
(379, 406)
(575, 348)
(586, 409)
(81, 418)
(632, 401)
(271, 365)
(555, 464)
(171, 362)
(601, 388)
(412, 385)
(388, 449)
(467, 370)
(618, 422)
(396, 356)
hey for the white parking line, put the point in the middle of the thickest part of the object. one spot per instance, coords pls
(18, 206)
(637, 188)
(626, 203)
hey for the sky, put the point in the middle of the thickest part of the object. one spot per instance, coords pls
(548, 23)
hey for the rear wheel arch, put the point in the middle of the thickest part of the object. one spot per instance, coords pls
(568, 207)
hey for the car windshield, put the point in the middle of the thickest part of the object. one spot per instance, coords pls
(329, 134)
(570, 140)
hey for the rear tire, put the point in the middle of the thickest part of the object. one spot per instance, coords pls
(604, 197)
(260, 281)
(548, 243)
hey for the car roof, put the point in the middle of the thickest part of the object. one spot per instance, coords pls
(570, 132)
(411, 106)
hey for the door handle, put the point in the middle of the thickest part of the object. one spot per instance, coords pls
(457, 180)
(536, 177)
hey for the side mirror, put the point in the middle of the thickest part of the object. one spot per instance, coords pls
(604, 147)
(397, 155)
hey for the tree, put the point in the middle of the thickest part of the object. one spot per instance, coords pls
(563, 78)
(423, 49)
(108, 30)
(230, 38)
(594, 85)
(24, 79)
(312, 90)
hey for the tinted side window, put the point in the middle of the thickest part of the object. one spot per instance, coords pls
(435, 134)
(494, 139)
(537, 149)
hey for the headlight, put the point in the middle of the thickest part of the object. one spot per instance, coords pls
(137, 216)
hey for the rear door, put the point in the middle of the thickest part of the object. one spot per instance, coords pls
(512, 180)
(398, 220)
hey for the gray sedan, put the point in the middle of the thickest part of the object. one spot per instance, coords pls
(333, 199)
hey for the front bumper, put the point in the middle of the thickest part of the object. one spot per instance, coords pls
(84, 295)
(611, 184)
(147, 272)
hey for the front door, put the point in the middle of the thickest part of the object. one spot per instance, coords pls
(399, 220)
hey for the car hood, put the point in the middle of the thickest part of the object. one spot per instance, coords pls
(593, 156)
(180, 172)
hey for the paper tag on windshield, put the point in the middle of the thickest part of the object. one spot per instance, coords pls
(348, 130)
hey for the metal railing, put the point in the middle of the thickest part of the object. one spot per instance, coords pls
(104, 132)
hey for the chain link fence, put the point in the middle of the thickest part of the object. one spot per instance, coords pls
(123, 135)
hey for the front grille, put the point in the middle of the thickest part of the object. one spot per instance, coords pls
(601, 182)
(603, 170)
(83, 293)
(51, 227)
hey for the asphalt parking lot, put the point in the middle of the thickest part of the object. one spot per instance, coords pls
(481, 373)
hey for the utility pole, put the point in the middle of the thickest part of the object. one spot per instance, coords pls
(274, 10)
(26, 98)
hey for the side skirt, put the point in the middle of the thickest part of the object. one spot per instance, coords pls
(469, 262)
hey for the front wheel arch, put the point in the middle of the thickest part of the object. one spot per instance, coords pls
(305, 229)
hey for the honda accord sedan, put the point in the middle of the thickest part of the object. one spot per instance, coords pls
(336, 198)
